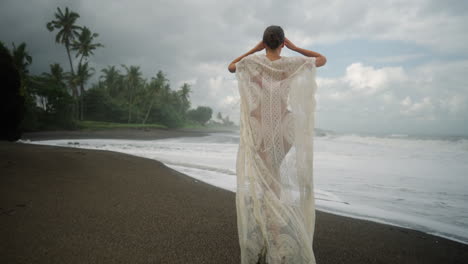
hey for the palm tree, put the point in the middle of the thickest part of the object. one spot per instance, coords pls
(50, 85)
(111, 77)
(68, 31)
(133, 80)
(155, 87)
(166, 93)
(184, 97)
(84, 47)
(22, 60)
(56, 74)
(82, 76)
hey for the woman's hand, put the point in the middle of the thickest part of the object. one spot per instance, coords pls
(289, 44)
(320, 59)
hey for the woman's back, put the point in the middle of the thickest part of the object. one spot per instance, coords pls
(270, 117)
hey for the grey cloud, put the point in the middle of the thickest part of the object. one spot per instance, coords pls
(179, 36)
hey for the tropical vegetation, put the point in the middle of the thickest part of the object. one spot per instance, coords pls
(121, 97)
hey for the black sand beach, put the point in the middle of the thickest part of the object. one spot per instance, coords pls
(68, 205)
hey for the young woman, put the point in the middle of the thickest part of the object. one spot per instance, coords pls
(275, 199)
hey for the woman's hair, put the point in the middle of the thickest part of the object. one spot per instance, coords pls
(273, 36)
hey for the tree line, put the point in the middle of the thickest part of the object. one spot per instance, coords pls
(57, 99)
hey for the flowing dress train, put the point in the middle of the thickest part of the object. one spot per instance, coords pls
(275, 198)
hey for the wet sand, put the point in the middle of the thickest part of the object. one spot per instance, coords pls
(68, 205)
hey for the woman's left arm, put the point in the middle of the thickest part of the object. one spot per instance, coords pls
(232, 67)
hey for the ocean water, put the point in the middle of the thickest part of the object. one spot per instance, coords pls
(414, 182)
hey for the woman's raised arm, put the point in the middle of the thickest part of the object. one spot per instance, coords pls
(320, 59)
(232, 66)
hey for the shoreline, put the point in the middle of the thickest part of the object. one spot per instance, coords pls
(337, 213)
(118, 133)
(161, 133)
(161, 215)
(384, 222)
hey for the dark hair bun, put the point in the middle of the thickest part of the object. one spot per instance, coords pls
(273, 36)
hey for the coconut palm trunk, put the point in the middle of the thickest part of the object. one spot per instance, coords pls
(130, 106)
(149, 108)
(81, 105)
(133, 80)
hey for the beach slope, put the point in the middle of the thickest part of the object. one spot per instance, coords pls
(69, 205)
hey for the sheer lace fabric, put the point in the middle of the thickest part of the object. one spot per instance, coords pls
(275, 199)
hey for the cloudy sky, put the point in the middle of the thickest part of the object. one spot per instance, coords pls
(393, 66)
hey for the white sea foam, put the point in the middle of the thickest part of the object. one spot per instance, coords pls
(400, 180)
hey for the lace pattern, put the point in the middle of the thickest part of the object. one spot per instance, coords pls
(274, 199)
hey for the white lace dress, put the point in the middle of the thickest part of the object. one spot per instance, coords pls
(275, 196)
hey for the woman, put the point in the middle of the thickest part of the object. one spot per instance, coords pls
(274, 199)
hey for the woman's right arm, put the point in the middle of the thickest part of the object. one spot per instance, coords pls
(320, 60)
(232, 65)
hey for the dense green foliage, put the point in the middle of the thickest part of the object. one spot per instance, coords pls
(60, 100)
(202, 114)
(96, 125)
